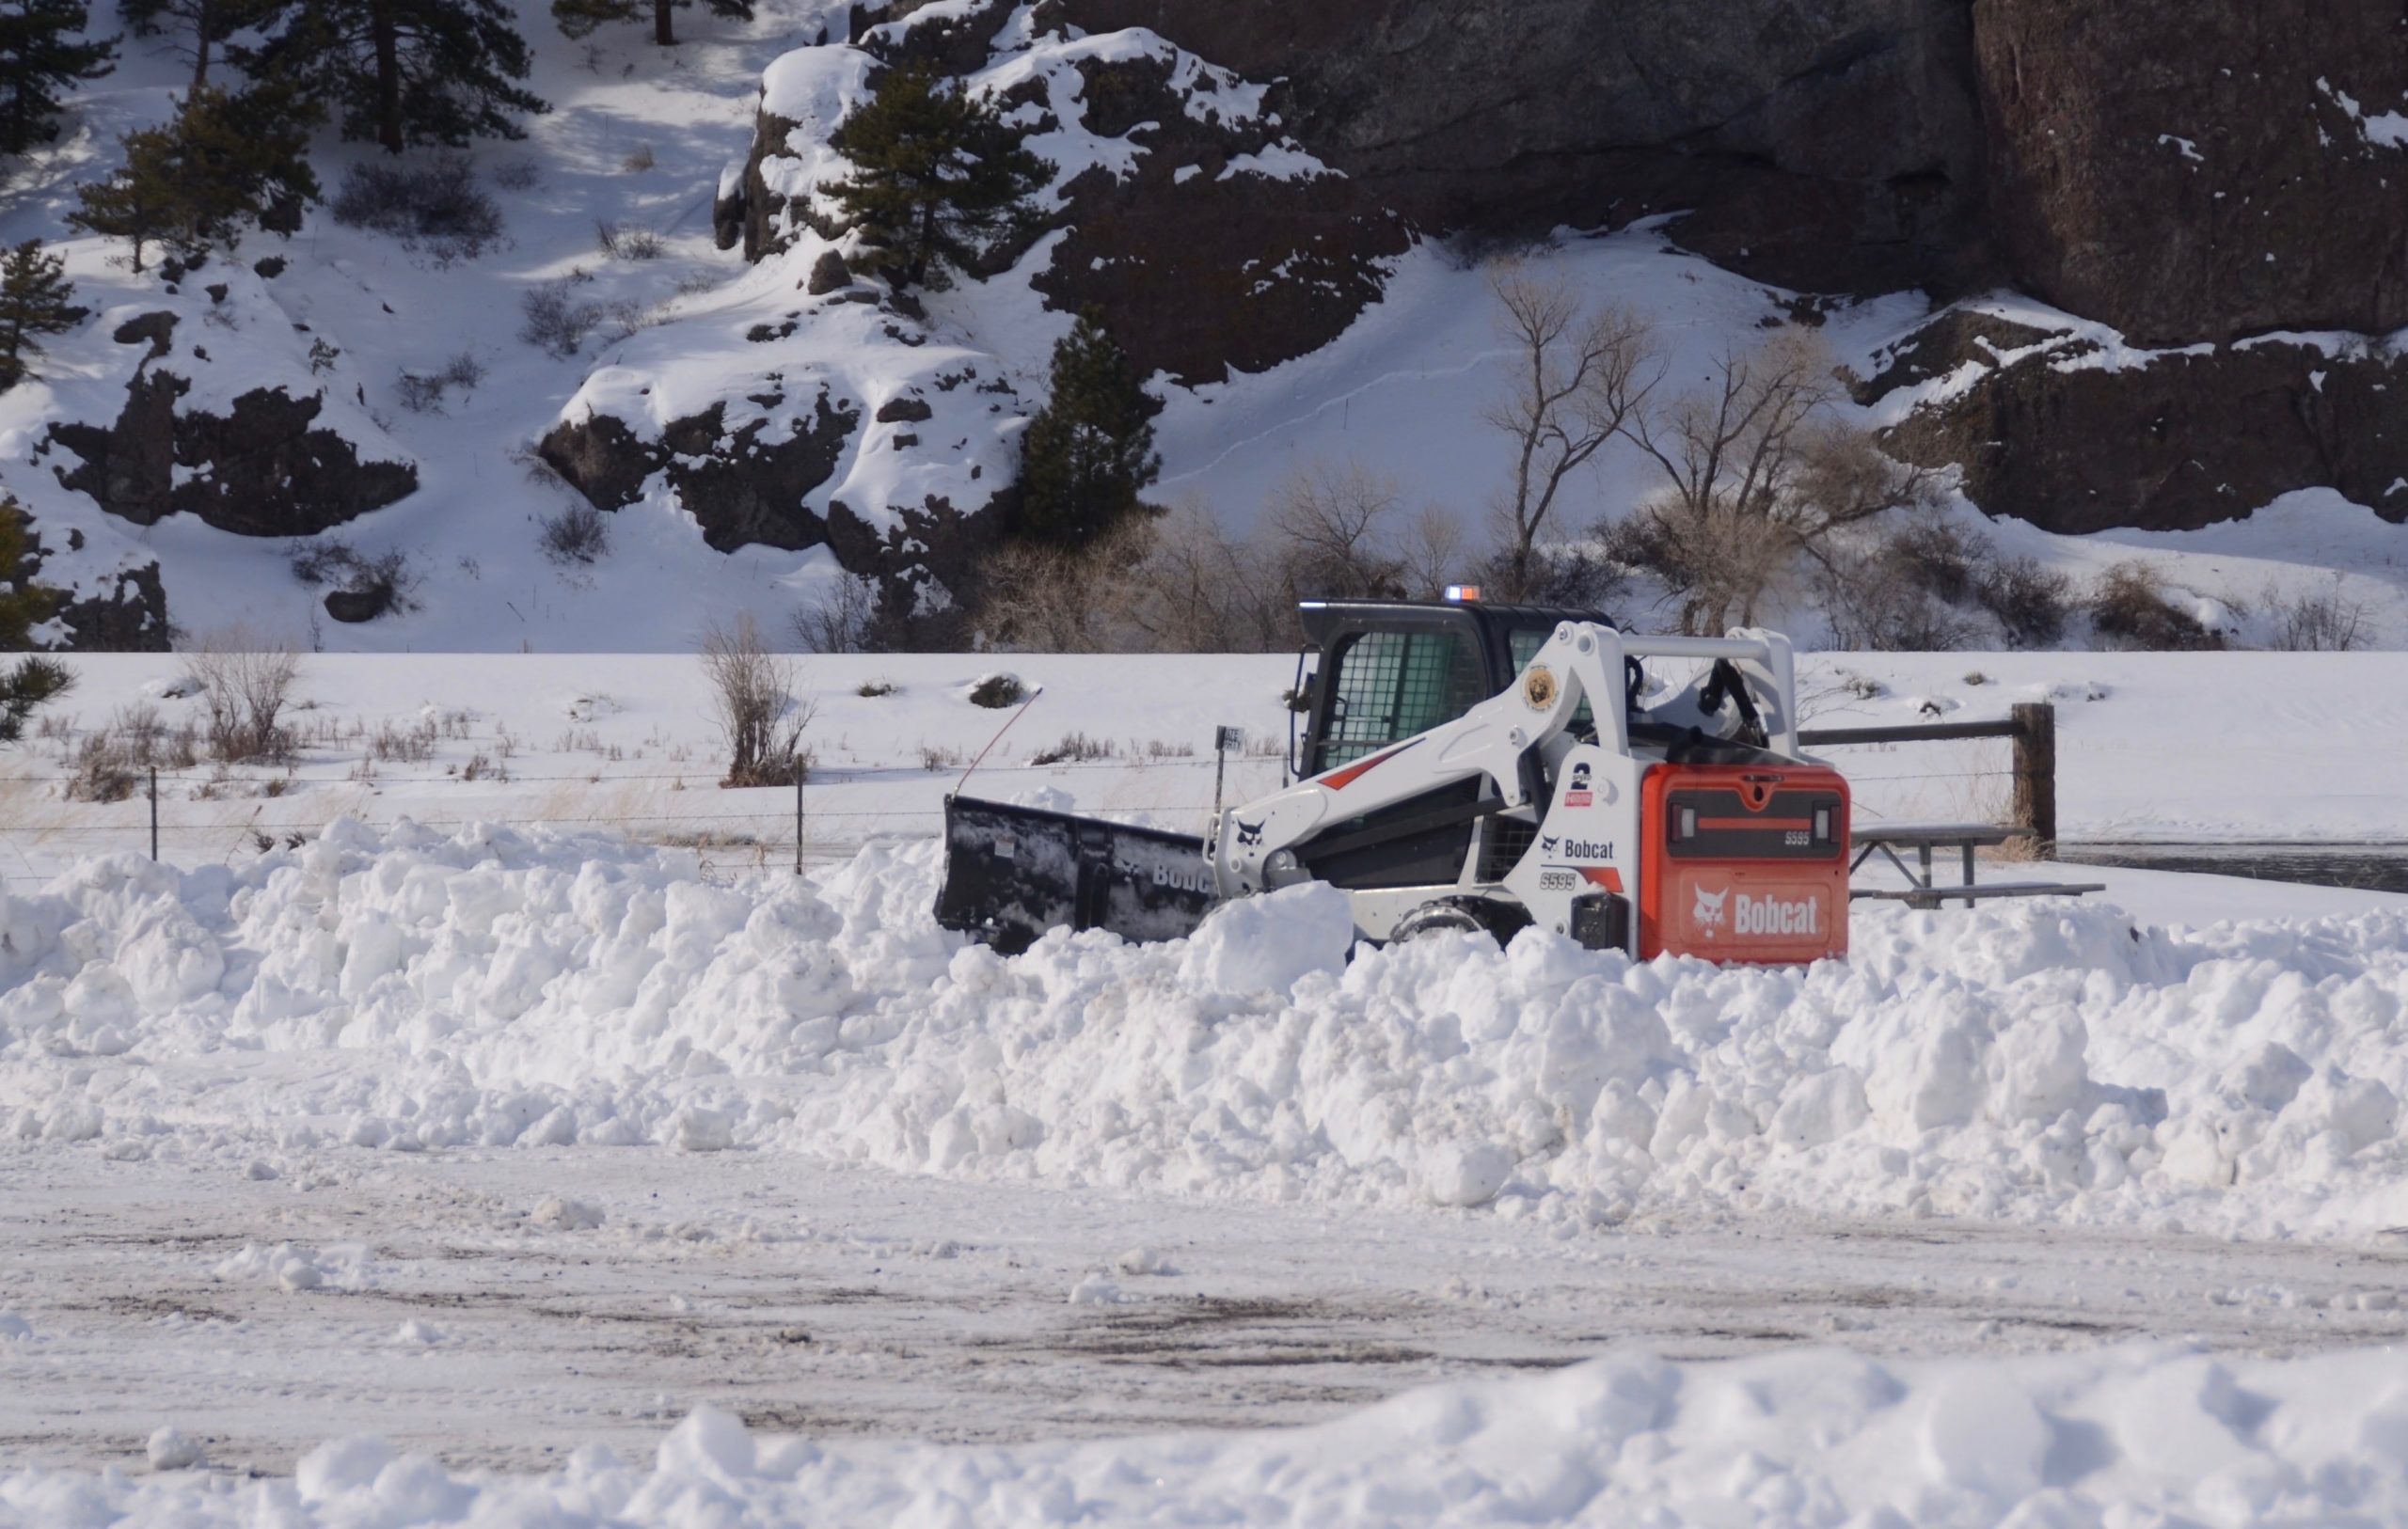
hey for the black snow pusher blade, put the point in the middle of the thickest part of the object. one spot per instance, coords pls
(1013, 873)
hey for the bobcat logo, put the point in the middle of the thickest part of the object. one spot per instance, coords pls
(1249, 834)
(1708, 912)
(1547, 845)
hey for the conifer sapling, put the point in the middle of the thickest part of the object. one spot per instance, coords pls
(937, 175)
(34, 301)
(1089, 452)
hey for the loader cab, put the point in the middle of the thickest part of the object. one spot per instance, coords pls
(1392, 668)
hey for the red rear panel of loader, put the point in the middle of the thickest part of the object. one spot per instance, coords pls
(1744, 862)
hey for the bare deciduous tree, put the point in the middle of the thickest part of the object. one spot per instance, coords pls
(1579, 376)
(752, 700)
(838, 619)
(244, 681)
(1200, 590)
(1333, 530)
(1758, 479)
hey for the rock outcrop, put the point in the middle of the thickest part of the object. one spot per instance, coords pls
(130, 615)
(263, 467)
(743, 489)
(1834, 147)
(2192, 170)
(2060, 429)
(1209, 242)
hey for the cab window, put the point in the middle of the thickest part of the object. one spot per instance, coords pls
(1392, 684)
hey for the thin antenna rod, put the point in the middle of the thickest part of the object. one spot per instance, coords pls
(996, 739)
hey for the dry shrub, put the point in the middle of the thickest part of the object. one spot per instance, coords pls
(2314, 619)
(2130, 609)
(1200, 590)
(1075, 749)
(436, 207)
(752, 700)
(1044, 598)
(2033, 603)
(997, 691)
(245, 682)
(578, 534)
(1333, 531)
(104, 771)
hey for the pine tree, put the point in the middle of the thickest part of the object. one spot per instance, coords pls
(139, 201)
(580, 18)
(199, 26)
(192, 182)
(403, 71)
(1089, 452)
(34, 292)
(24, 604)
(40, 54)
(938, 172)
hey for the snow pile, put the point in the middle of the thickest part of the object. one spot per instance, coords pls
(2135, 1435)
(411, 991)
(294, 1269)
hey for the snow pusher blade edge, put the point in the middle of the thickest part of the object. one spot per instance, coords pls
(1013, 873)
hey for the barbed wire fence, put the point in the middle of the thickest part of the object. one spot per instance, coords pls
(217, 813)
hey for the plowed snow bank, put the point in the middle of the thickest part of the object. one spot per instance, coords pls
(408, 991)
(1805, 1437)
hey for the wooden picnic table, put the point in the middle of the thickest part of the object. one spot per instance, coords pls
(1923, 838)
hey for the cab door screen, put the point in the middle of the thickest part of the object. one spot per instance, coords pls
(1393, 684)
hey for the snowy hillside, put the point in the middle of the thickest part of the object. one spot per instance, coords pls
(896, 423)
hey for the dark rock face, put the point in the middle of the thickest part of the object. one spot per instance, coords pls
(131, 618)
(2181, 441)
(1833, 147)
(827, 273)
(727, 217)
(1178, 257)
(357, 606)
(2192, 170)
(744, 491)
(129, 467)
(264, 469)
(928, 544)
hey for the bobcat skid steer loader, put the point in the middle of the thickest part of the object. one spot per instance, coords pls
(1472, 766)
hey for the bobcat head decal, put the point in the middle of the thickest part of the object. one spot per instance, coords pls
(1708, 912)
(1249, 834)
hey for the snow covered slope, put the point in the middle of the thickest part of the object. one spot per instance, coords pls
(644, 140)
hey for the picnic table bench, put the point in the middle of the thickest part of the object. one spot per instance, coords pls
(1923, 838)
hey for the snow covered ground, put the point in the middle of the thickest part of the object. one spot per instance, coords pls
(505, 1148)
(1752, 1366)
(515, 1144)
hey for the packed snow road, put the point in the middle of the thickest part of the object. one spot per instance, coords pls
(502, 1309)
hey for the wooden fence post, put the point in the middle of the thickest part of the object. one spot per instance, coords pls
(2035, 774)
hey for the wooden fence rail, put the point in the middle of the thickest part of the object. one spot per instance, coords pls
(2031, 725)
